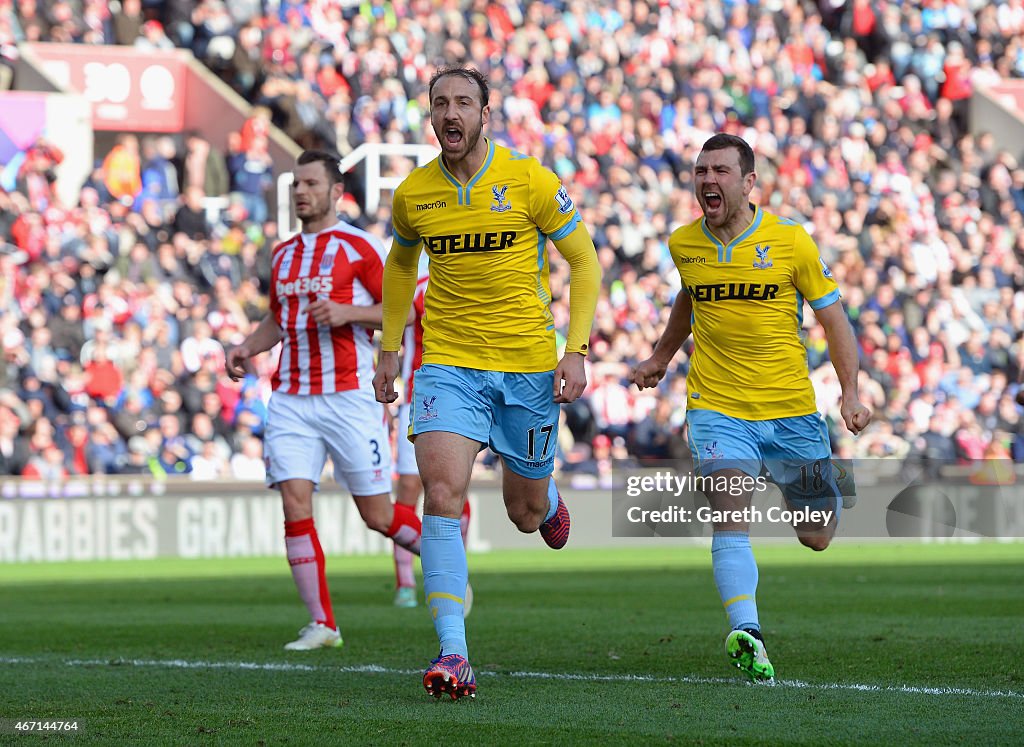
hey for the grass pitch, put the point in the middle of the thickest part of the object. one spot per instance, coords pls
(873, 644)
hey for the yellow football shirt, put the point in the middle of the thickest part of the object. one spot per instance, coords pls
(487, 304)
(748, 300)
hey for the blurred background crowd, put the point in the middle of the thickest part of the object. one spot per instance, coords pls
(115, 312)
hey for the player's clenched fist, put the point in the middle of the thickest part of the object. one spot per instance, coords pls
(648, 373)
(384, 378)
(238, 362)
(855, 415)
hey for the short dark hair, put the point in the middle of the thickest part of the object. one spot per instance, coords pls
(722, 141)
(469, 73)
(331, 163)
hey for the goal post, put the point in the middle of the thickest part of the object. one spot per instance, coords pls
(375, 184)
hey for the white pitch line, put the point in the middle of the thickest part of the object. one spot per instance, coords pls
(565, 677)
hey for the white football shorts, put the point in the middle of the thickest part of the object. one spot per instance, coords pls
(302, 429)
(406, 459)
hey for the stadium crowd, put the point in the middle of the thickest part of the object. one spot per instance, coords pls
(116, 311)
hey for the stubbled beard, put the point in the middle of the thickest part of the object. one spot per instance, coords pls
(471, 138)
(309, 218)
(471, 141)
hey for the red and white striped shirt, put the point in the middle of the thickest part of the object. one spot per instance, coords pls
(342, 264)
(412, 342)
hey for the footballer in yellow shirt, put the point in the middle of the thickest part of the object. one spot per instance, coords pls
(750, 405)
(487, 305)
(490, 373)
(748, 299)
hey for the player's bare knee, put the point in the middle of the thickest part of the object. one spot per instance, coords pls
(409, 489)
(442, 500)
(377, 523)
(526, 519)
(816, 542)
(377, 512)
(296, 503)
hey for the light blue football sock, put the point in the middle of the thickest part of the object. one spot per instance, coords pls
(736, 577)
(443, 559)
(552, 499)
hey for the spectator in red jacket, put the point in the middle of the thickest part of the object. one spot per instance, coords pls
(103, 379)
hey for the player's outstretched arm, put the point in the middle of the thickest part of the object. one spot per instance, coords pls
(262, 339)
(648, 373)
(584, 288)
(842, 349)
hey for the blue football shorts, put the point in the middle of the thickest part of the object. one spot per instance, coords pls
(513, 413)
(794, 452)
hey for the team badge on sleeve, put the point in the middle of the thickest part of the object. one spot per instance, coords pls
(825, 270)
(565, 205)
